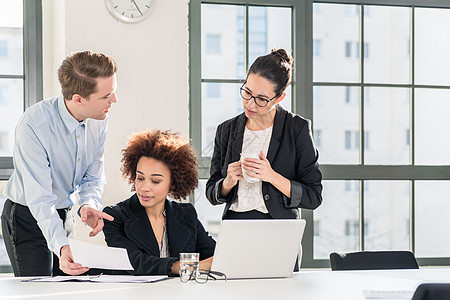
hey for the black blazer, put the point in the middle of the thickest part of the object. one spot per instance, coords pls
(131, 229)
(291, 153)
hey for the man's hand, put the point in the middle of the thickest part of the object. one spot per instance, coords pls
(67, 265)
(94, 219)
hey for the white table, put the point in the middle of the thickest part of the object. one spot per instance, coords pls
(308, 285)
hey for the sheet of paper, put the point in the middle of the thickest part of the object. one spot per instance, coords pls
(101, 257)
(101, 278)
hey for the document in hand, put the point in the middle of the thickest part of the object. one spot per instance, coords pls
(101, 278)
(101, 257)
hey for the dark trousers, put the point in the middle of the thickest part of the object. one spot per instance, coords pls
(26, 246)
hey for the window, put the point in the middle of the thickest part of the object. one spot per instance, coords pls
(20, 42)
(242, 32)
(4, 145)
(352, 95)
(407, 137)
(317, 228)
(213, 90)
(348, 49)
(352, 140)
(213, 43)
(318, 137)
(396, 93)
(316, 48)
(351, 227)
(3, 49)
(352, 49)
(3, 94)
(247, 31)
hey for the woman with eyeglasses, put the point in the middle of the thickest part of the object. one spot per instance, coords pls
(265, 164)
(153, 229)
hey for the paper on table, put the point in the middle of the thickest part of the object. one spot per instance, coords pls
(102, 257)
(102, 278)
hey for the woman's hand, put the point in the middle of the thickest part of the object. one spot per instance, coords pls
(234, 174)
(260, 168)
(205, 264)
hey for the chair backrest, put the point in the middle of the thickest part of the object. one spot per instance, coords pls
(373, 260)
(432, 291)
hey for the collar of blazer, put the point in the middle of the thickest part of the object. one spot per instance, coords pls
(277, 133)
(139, 229)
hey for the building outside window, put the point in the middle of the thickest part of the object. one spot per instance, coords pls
(213, 43)
(316, 47)
(3, 49)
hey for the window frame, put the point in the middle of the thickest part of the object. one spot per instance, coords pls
(32, 74)
(302, 103)
(410, 172)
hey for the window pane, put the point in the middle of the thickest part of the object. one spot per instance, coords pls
(209, 215)
(11, 108)
(287, 101)
(432, 45)
(386, 43)
(432, 144)
(339, 131)
(338, 32)
(432, 221)
(386, 215)
(386, 120)
(222, 41)
(4, 260)
(220, 101)
(268, 28)
(337, 217)
(11, 38)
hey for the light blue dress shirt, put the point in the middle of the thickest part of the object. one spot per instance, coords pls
(56, 156)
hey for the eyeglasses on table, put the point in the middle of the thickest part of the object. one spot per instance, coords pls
(201, 276)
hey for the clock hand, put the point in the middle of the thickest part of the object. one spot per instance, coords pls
(137, 7)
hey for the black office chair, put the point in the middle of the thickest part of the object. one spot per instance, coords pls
(373, 260)
(432, 291)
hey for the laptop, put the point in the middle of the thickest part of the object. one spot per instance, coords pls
(258, 248)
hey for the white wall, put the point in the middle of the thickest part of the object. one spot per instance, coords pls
(152, 58)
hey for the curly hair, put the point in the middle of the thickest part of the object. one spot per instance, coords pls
(169, 148)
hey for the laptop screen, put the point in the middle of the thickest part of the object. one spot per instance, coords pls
(258, 248)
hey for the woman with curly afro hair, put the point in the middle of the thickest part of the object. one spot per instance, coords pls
(153, 229)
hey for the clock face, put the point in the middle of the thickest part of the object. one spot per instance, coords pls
(130, 11)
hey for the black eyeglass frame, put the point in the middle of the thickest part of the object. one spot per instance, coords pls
(241, 89)
(214, 275)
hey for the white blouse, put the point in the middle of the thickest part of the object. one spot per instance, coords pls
(249, 196)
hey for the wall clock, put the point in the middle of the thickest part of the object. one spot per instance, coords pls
(129, 11)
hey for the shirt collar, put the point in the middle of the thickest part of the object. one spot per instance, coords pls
(68, 120)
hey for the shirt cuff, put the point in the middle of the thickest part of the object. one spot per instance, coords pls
(58, 244)
(92, 203)
(218, 191)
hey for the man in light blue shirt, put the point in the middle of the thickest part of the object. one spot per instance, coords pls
(58, 151)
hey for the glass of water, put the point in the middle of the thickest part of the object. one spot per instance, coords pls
(188, 266)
